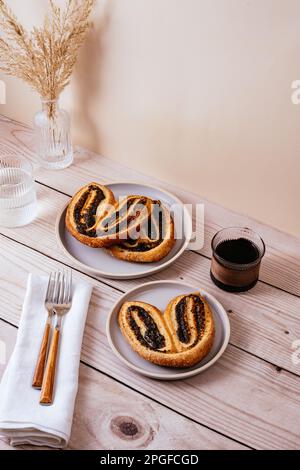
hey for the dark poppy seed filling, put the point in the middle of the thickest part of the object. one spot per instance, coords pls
(85, 217)
(155, 232)
(199, 316)
(152, 338)
(183, 332)
(198, 311)
(156, 223)
(141, 247)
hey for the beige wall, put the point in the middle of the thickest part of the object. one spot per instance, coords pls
(196, 92)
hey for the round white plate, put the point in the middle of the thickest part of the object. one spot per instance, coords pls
(159, 293)
(100, 262)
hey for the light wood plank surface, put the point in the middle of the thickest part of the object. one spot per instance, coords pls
(112, 404)
(4, 445)
(242, 396)
(250, 396)
(265, 321)
(281, 265)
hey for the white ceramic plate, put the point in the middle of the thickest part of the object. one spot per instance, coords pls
(100, 262)
(159, 293)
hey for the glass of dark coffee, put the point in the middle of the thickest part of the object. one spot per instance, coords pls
(236, 258)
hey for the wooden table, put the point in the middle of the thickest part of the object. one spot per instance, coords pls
(249, 399)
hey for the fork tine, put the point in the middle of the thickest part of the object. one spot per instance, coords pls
(65, 282)
(51, 297)
(70, 286)
(59, 286)
(62, 287)
(56, 287)
(52, 286)
(67, 287)
(49, 287)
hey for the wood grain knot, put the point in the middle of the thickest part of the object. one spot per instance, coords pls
(127, 428)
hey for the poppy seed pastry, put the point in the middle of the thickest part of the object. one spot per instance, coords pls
(89, 204)
(155, 241)
(181, 337)
(96, 219)
(124, 220)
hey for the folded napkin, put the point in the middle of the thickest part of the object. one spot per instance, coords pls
(22, 419)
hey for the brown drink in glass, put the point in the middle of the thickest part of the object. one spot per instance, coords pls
(236, 258)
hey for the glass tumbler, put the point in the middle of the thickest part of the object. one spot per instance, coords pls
(236, 257)
(18, 203)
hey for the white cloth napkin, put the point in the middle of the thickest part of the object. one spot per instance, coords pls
(22, 419)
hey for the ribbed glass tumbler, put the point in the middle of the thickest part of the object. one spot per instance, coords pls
(18, 203)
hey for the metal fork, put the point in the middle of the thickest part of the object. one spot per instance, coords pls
(41, 361)
(61, 306)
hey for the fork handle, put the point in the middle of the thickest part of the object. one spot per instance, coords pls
(47, 392)
(41, 361)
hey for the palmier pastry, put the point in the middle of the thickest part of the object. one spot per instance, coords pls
(155, 241)
(88, 205)
(96, 219)
(180, 337)
(124, 220)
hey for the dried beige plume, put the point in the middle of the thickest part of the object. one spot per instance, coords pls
(44, 57)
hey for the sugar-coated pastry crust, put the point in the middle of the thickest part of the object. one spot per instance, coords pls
(96, 219)
(146, 250)
(101, 210)
(125, 219)
(160, 339)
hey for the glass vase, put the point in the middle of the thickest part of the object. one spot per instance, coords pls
(53, 136)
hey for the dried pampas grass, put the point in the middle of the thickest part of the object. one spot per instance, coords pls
(44, 57)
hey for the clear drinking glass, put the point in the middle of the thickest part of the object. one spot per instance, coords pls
(18, 203)
(53, 136)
